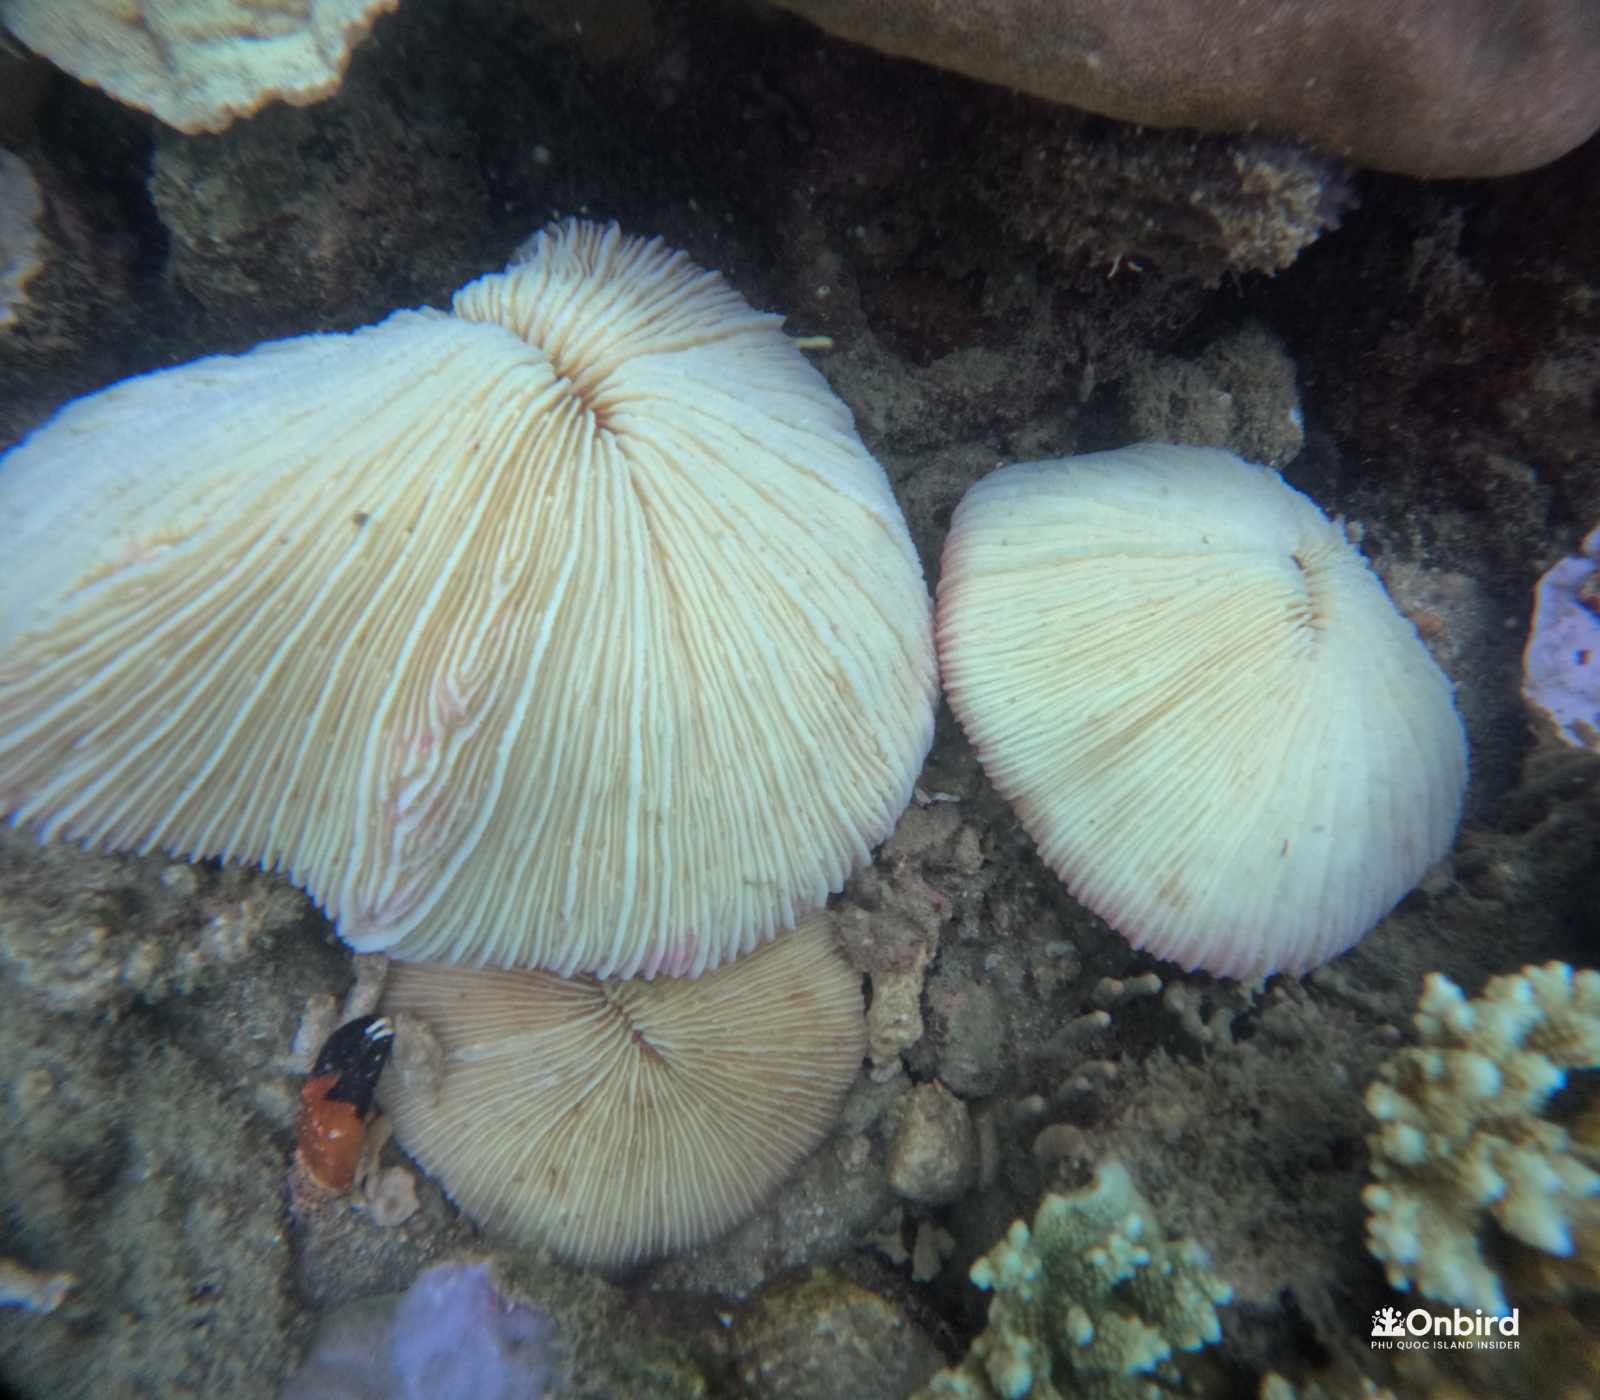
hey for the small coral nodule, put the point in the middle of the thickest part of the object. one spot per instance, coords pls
(1462, 1134)
(1092, 1300)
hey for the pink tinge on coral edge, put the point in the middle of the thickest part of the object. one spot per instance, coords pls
(1561, 664)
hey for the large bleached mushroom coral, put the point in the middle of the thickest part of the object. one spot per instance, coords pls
(1205, 708)
(570, 628)
(618, 1121)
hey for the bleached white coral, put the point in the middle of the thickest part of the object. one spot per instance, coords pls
(1462, 1132)
(1091, 1302)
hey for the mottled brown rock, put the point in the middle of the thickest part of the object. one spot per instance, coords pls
(309, 218)
(822, 1337)
(933, 1154)
(1423, 87)
(972, 1029)
(1238, 393)
(63, 269)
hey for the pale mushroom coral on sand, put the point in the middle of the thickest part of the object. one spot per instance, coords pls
(621, 1121)
(571, 628)
(1206, 710)
(198, 64)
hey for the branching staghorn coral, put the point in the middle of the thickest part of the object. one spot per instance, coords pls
(1091, 1302)
(1463, 1133)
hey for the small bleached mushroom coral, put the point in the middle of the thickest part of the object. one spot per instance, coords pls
(572, 628)
(619, 1121)
(198, 64)
(1207, 712)
(1464, 1136)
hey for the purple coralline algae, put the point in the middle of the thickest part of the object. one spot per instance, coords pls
(451, 1336)
(1561, 665)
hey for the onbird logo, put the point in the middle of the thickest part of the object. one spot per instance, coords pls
(1387, 1322)
(1457, 1330)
